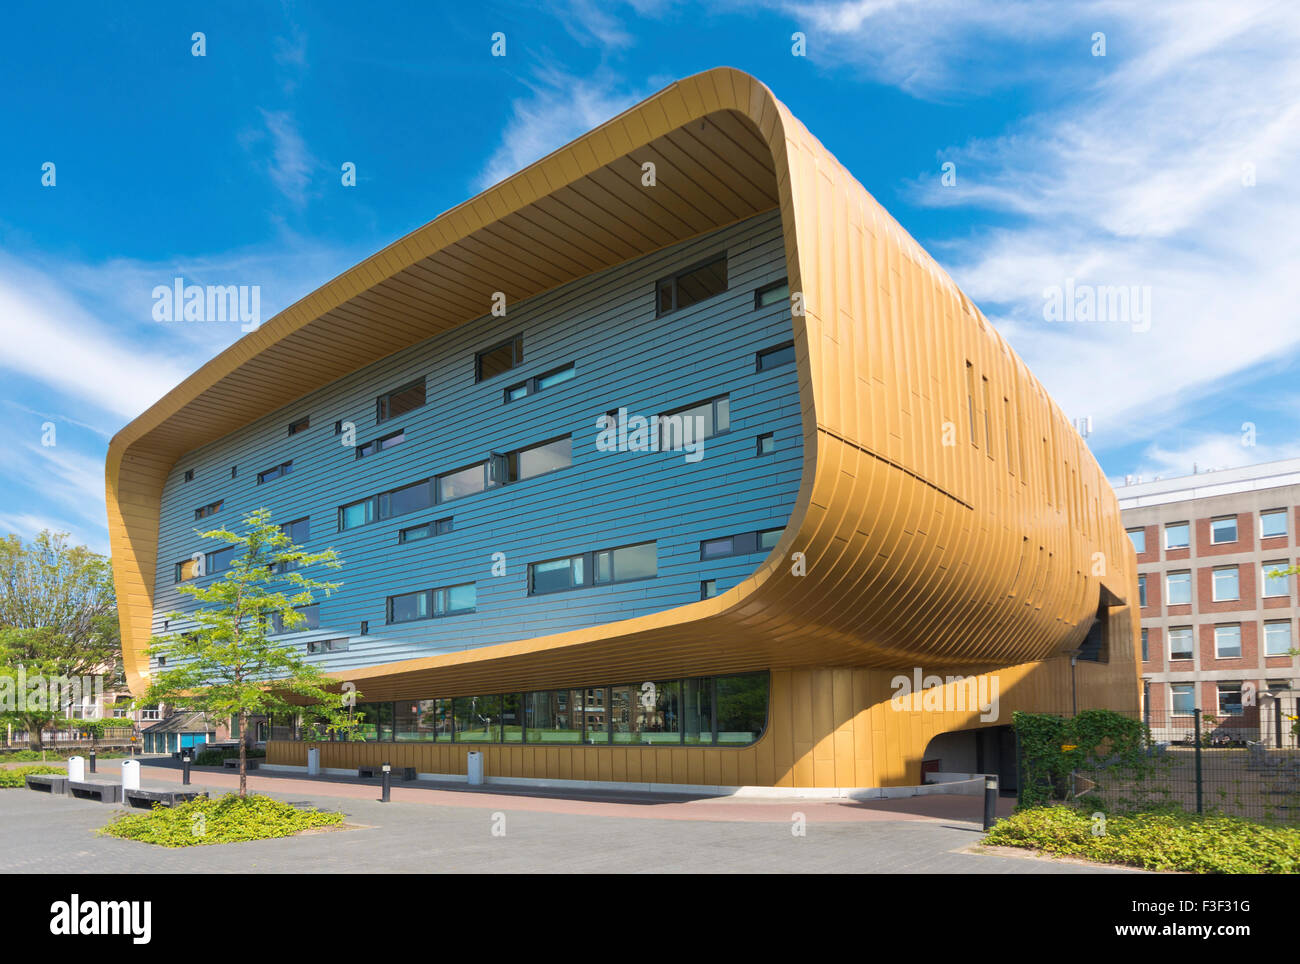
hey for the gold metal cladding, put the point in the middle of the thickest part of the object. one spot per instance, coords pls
(916, 552)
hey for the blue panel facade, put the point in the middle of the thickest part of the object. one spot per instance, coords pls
(625, 356)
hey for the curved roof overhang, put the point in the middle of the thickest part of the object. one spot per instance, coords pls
(724, 149)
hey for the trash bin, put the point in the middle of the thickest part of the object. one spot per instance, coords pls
(76, 769)
(474, 767)
(130, 774)
(313, 761)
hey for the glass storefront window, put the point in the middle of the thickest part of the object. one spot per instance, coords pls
(553, 716)
(622, 703)
(512, 718)
(595, 714)
(415, 721)
(741, 708)
(657, 713)
(697, 711)
(477, 718)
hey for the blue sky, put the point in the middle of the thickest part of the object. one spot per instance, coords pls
(1165, 166)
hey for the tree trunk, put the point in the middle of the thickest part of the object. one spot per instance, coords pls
(243, 754)
(34, 727)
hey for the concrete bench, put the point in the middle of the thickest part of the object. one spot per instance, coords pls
(145, 799)
(106, 792)
(406, 773)
(233, 763)
(47, 782)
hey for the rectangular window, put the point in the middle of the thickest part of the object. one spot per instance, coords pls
(310, 620)
(1180, 642)
(399, 401)
(1010, 422)
(477, 719)
(1139, 539)
(317, 646)
(1177, 535)
(1229, 699)
(697, 711)
(392, 440)
(708, 588)
(775, 357)
(1145, 657)
(1223, 530)
(1272, 523)
(556, 575)
(694, 423)
(406, 607)
(1178, 589)
(409, 498)
(1224, 586)
(630, 562)
(741, 703)
(450, 600)
(1227, 642)
(299, 426)
(298, 531)
(1275, 584)
(772, 294)
(281, 470)
(209, 509)
(220, 561)
(970, 401)
(988, 419)
(425, 531)
(1184, 699)
(768, 538)
(189, 475)
(766, 444)
(540, 383)
(691, 286)
(553, 716)
(717, 548)
(186, 570)
(417, 721)
(555, 377)
(499, 358)
(1142, 589)
(1277, 638)
(357, 514)
(657, 713)
(462, 482)
(526, 463)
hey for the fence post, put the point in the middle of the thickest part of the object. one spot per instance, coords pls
(1277, 720)
(1200, 805)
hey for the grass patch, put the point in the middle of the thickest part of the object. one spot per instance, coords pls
(1167, 839)
(227, 819)
(9, 779)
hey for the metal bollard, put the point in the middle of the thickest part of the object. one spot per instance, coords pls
(990, 801)
(185, 768)
(92, 759)
(388, 782)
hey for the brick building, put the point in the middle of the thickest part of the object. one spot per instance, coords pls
(1218, 627)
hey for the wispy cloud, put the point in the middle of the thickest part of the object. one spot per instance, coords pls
(558, 108)
(1168, 169)
(287, 160)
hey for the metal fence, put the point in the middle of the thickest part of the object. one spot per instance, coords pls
(1243, 764)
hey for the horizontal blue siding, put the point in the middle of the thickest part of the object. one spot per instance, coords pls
(625, 357)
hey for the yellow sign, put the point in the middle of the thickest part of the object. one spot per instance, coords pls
(1067, 747)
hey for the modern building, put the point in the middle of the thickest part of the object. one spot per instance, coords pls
(660, 461)
(1218, 618)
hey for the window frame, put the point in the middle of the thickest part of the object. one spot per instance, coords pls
(280, 471)
(765, 289)
(379, 444)
(1215, 572)
(1226, 627)
(1236, 534)
(1191, 643)
(383, 402)
(209, 510)
(1286, 523)
(763, 354)
(1290, 637)
(299, 425)
(1169, 597)
(674, 278)
(533, 384)
(516, 345)
(1141, 531)
(1264, 569)
(1174, 525)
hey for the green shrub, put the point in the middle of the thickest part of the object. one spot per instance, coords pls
(228, 819)
(1167, 839)
(27, 756)
(15, 777)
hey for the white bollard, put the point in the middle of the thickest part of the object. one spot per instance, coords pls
(130, 774)
(313, 761)
(77, 769)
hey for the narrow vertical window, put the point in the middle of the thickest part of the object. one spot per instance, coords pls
(988, 420)
(970, 401)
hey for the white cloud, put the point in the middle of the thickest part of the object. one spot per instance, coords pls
(559, 108)
(1207, 452)
(291, 162)
(1134, 177)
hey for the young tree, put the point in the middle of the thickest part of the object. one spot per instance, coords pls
(228, 665)
(58, 622)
